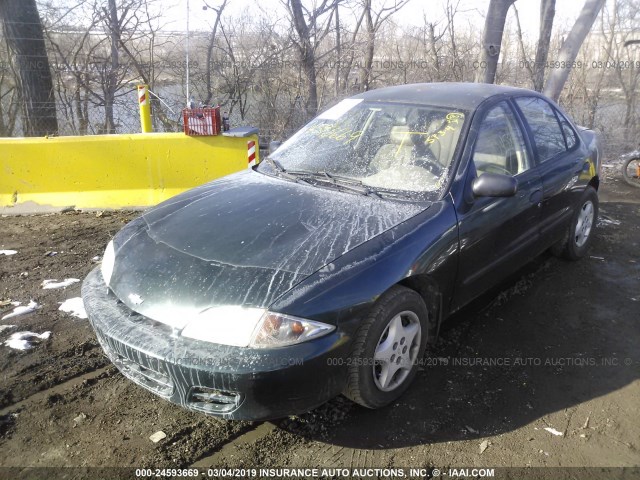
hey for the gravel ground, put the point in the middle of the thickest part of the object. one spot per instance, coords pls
(555, 349)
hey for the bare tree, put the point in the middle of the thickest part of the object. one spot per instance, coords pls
(350, 52)
(571, 46)
(9, 94)
(621, 20)
(309, 33)
(547, 12)
(492, 40)
(374, 19)
(338, 50)
(218, 11)
(527, 63)
(113, 24)
(23, 30)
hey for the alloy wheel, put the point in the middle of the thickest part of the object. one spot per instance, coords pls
(396, 351)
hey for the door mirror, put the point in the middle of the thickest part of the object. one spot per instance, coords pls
(494, 185)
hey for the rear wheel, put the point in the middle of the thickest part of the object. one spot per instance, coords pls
(580, 234)
(631, 171)
(386, 348)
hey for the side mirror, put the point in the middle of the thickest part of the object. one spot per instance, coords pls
(494, 185)
(273, 146)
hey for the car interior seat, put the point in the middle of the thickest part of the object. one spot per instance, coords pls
(398, 151)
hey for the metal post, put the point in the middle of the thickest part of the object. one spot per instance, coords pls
(145, 108)
(188, 35)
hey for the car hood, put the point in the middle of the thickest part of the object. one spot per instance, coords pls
(241, 240)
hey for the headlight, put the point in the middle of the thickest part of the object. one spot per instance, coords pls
(108, 259)
(279, 330)
(252, 327)
(226, 325)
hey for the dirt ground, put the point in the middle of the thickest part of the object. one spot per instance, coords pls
(556, 347)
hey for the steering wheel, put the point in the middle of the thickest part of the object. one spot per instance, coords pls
(427, 160)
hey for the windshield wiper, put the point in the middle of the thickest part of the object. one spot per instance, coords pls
(275, 164)
(346, 183)
(393, 194)
(281, 172)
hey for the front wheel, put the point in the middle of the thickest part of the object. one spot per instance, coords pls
(631, 171)
(386, 349)
(576, 243)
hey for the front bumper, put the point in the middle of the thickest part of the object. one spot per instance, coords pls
(232, 382)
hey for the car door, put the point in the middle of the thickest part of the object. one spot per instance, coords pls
(561, 160)
(497, 235)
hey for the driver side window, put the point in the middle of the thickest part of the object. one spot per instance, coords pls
(500, 146)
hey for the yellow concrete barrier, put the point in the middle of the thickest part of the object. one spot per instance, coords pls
(111, 171)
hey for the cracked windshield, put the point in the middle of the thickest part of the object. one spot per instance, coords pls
(377, 147)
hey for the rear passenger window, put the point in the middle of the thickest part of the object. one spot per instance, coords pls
(569, 132)
(547, 134)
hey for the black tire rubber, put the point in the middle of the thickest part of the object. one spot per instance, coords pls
(634, 182)
(567, 247)
(361, 387)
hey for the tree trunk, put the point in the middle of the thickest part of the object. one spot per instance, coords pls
(571, 47)
(212, 42)
(547, 12)
(365, 71)
(23, 29)
(431, 28)
(338, 52)
(492, 39)
(307, 57)
(112, 74)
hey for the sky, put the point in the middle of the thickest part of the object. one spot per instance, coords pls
(469, 11)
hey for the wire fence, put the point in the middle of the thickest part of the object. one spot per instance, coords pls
(609, 118)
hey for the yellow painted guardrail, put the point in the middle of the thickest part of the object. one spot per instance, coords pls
(111, 171)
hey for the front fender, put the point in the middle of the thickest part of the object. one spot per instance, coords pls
(421, 251)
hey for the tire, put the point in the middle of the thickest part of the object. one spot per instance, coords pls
(395, 329)
(631, 171)
(580, 235)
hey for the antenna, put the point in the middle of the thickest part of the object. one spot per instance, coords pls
(187, 79)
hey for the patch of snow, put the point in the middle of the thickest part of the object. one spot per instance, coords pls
(8, 252)
(48, 284)
(484, 445)
(22, 310)
(74, 306)
(607, 221)
(156, 437)
(553, 431)
(26, 340)
(6, 327)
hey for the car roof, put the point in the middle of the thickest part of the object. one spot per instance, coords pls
(465, 96)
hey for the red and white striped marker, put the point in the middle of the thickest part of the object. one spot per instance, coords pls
(251, 152)
(142, 95)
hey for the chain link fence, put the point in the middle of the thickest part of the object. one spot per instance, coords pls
(618, 122)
